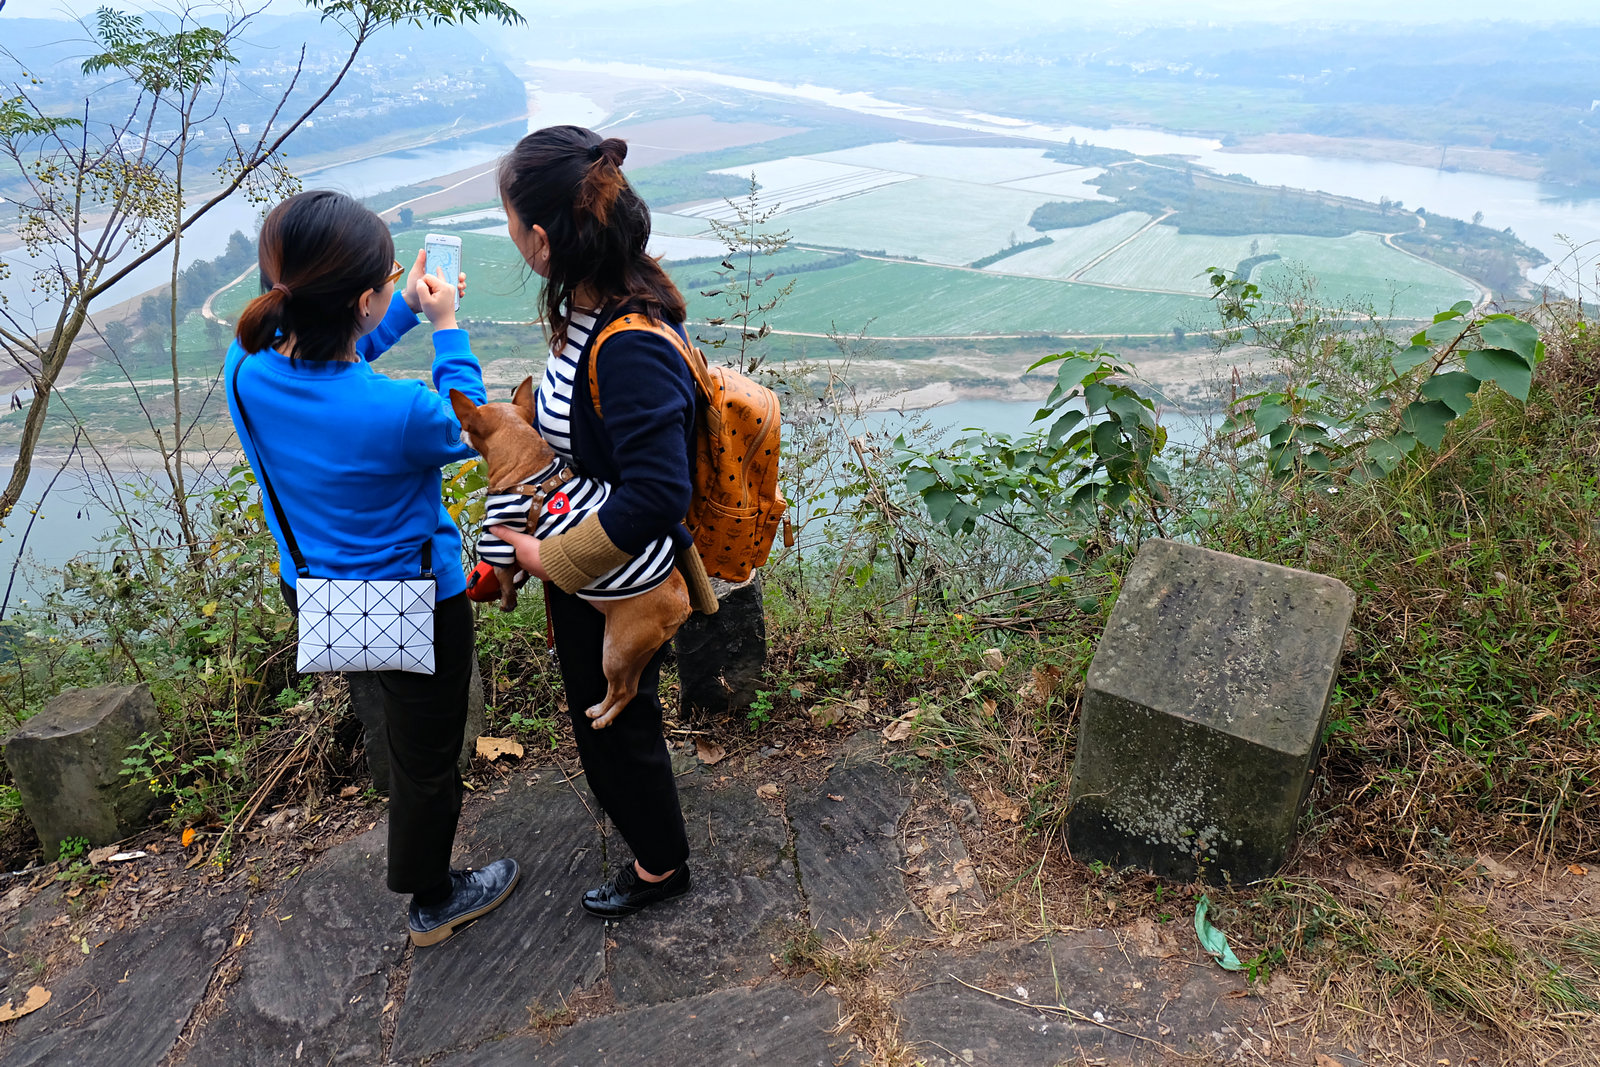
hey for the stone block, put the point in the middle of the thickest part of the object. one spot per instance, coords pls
(366, 700)
(67, 764)
(1203, 713)
(721, 657)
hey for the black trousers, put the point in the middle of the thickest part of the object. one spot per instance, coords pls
(425, 718)
(627, 763)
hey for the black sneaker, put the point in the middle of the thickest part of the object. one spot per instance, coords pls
(473, 893)
(627, 893)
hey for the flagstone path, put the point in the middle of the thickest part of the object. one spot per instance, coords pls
(316, 970)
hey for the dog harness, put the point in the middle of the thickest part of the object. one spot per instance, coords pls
(561, 499)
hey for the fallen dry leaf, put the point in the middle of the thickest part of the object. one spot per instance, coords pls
(767, 792)
(900, 729)
(349, 791)
(188, 836)
(835, 796)
(1578, 869)
(101, 855)
(825, 715)
(1001, 806)
(1327, 1061)
(1498, 871)
(37, 998)
(994, 659)
(990, 707)
(492, 748)
(710, 752)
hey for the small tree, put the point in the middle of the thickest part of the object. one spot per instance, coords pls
(740, 281)
(104, 196)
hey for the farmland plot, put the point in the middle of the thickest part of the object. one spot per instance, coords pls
(929, 218)
(796, 182)
(1072, 249)
(678, 225)
(1163, 258)
(915, 300)
(1362, 269)
(982, 166)
(1067, 185)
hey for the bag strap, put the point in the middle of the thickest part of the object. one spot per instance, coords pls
(697, 367)
(300, 566)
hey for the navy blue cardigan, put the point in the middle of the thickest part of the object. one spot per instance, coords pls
(644, 444)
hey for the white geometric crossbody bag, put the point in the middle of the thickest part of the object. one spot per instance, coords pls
(348, 624)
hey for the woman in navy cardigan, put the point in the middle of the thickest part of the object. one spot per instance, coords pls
(583, 229)
(354, 458)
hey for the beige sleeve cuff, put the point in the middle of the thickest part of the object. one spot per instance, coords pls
(579, 556)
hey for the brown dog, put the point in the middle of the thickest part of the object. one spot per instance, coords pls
(636, 626)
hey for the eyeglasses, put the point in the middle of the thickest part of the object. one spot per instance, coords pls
(395, 276)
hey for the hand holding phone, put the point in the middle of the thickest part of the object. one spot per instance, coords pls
(444, 260)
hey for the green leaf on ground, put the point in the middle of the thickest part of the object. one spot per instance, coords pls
(1212, 939)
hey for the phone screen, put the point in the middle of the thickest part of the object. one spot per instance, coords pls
(445, 255)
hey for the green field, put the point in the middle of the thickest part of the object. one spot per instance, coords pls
(1073, 249)
(914, 300)
(935, 219)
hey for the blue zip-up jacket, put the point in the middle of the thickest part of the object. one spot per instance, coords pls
(355, 456)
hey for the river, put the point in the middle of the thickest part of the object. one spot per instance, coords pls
(1544, 216)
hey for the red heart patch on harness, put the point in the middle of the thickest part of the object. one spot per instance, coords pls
(559, 504)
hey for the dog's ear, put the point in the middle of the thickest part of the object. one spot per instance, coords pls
(522, 399)
(465, 409)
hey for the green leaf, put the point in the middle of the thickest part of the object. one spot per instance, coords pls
(1063, 426)
(1096, 396)
(1212, 939)
(1512, 334)
(1384, 454)
(1410, 358)
(939, 502)
(1427, 420)
(1508, 370)
(1130, 410)
(1454, 388)
(1462, 307)
(1444, 334)
(1270, 416)
(921, 479)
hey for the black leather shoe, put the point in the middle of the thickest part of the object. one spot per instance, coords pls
(472, 893)
(627, 892)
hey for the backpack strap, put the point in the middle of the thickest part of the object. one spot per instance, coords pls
(697, 366)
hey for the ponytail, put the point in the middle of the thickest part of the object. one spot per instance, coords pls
(569, 181)
(264, 319)
(602, 182)
(319, 251)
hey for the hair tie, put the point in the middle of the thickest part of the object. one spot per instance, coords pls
(595, 152)
(279, 287)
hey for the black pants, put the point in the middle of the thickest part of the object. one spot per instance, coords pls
(425, 717)
(627, 764)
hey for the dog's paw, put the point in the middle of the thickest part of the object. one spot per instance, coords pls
(602, 718)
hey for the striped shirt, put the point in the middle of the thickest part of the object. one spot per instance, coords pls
(553, 407)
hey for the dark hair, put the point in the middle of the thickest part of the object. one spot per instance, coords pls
(569, 181)
(320, 251)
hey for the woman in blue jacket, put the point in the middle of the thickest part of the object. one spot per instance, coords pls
(354, 457)
(583, 229)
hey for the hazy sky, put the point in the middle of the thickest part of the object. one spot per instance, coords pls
(1007, 12)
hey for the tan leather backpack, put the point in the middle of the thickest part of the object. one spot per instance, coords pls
(737, 505)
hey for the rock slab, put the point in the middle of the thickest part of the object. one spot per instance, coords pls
(745, 897)
(721, 657)
(772, 1025)
(316, 970)
(1203, 713)
(67, 764)
(127, 1004)
(531, 953)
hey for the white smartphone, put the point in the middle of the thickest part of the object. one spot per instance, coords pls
(444, 253)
